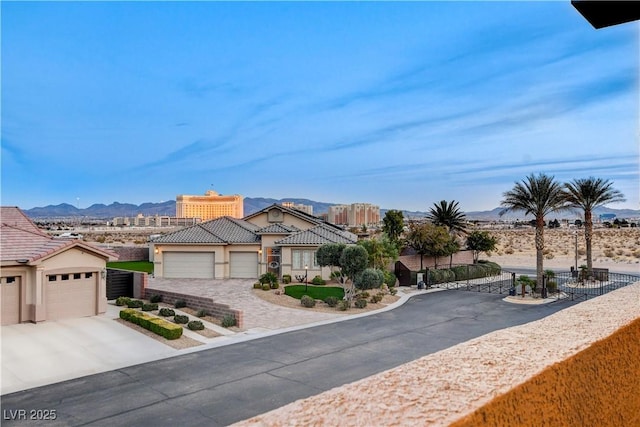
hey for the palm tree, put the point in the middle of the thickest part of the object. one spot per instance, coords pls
(448, 214)
(588, 194)
(539, 196)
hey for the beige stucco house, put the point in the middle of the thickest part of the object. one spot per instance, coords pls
(43, 278)
(277, 239)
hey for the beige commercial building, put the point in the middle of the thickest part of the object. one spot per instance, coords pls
(355, 214)
(210, 206)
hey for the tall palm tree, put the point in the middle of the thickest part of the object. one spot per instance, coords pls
(588, 194)
(448, 214)
(537, 195)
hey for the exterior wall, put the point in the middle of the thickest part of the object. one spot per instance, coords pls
(287, 264)
(25, 276)
(596, 387)
(131, 253)
(287, 219)
(413, 261)
(199, 303)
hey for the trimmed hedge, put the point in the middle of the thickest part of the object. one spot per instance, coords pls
(154, 324)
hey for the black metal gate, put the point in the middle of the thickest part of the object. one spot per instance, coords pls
(575, 285)
(119, 283)
(499, 283)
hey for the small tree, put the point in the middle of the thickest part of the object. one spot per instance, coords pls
(329, 255)
(393, 225)
(381, 252)
(429, 239)
(353, 260)
(481, 241)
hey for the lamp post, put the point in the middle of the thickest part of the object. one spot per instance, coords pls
(259, 262)
(576, 251)
(306, 283)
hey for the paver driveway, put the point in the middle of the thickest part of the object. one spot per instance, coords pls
(259, 315)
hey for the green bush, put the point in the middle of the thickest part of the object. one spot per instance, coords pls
(135, 303)
(331, 301)
(440, 276)
(120, 301)
(179, 318)
(286, 279)
(377, 298)
(361, 303)
(266, 286)
(363, 295)
(274, 285)
(257, 285)
(195, 325)
(552, 286)
(389, 278)
(307, 301)
(180, 303)
(370, 278)
(166, 312)
(155, 298)
(318, 280)
(158, 326)
(393, 291)
(344, 305)
(149, 307)
(268, 277)
(228, 321)
(202, 313)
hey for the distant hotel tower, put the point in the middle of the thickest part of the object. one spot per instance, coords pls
(210, 206)
(354, 215)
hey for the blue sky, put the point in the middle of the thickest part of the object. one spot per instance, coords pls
(396, 104)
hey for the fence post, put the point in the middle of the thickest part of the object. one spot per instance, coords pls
(543, 291)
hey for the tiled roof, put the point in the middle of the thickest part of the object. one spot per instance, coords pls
(319, 235)
(295, 212)
(222, 231)
(20, 239)
(278, 229)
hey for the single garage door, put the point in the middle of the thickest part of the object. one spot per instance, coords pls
(188, 265)
(71, 295)
(243, 265)
(10, 300)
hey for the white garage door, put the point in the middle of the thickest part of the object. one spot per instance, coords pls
(243, 265)
(71, 295)
(10, 300)
(188, 265)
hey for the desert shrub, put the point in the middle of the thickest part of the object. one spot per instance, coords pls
(393, 291)
(120, 301)
(274, 285)
(363, 294)
(286, 279)
(257, 285)
(307, 301)
(377, 298)
(179, 318)
(389, 278)
(228, 321)
(370, 278)
(331, 301)
(361, 303)
(149, 307)
(195, 325)
(202, 312)
(180, 303)
(266, 286)
(155, 298)
(268, 277)
(166, 312)
(135, 303)
(344, 305)
(552, 286)
(318, 280)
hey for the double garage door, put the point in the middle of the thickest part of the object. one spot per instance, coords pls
(201, 265)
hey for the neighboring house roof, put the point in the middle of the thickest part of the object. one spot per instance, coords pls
(223, 230)
(278, 229)
(319, 235)
(21, 239)
(295, 212)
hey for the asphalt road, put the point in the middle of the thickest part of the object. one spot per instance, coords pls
(220, 386)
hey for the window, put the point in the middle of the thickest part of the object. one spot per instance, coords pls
(11, 279)
(65, 277)
(52, 278)
(77, 276)
(88, 275)
(302, 257)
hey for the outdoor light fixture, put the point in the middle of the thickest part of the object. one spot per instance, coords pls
(306, 282)
(157, 251)
(22, 261)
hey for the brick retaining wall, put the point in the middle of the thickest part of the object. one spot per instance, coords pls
(198, 303)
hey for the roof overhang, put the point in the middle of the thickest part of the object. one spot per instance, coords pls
(602, 14)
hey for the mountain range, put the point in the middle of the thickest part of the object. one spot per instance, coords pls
(251, 205)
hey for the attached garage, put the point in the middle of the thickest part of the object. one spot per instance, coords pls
(188, 265)
(71, 295)
(243, 265)
(10, 300)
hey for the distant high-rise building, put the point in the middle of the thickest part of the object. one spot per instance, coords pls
(210, 206)
(354, 215)
(308, 209)
(338, 214)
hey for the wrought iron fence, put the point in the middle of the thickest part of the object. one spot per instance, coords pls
(471, 277)
(576, 285)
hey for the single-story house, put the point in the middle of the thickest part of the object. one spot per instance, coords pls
(278, 239)
(45, 278)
